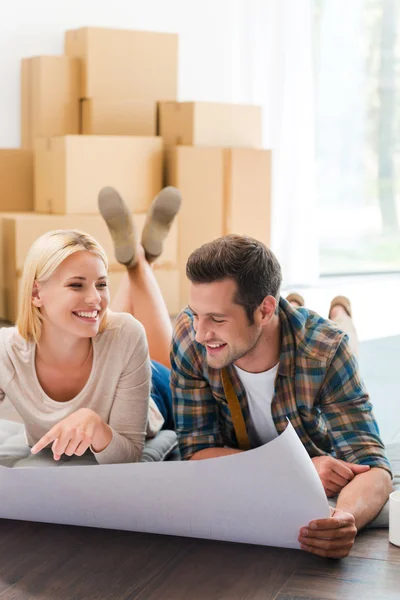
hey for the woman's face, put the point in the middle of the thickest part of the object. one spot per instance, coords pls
(74, 299)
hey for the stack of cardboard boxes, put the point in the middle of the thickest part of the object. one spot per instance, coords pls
(106, 113)
(108, 82)
(214, 156)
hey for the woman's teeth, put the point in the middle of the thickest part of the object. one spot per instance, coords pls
(88, 315)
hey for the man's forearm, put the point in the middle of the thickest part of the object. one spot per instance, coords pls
(365, 495)
(213, 453)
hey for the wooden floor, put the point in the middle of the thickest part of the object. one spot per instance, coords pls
(55, 562)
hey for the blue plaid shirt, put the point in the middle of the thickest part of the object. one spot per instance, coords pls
(318, 387)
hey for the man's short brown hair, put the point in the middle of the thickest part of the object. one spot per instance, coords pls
(252, 266)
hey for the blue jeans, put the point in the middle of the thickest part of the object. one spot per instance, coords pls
(161, 392)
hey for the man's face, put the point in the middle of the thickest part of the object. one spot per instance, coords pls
(221, 326)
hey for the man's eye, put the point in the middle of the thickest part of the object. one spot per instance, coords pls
(217, 320)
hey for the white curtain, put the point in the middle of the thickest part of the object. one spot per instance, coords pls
(272, 66)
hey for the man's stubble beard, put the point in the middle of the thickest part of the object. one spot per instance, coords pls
(233, 357)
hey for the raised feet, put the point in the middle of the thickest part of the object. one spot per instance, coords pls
(159, 219)
(119, 221)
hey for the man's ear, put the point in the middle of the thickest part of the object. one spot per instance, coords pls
(36, 301)
(267, 308)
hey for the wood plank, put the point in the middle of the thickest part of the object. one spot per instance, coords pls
(347, 579)
(374, 543)
(45, 561)
(225, 571)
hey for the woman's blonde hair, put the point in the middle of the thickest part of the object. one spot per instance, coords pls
(44, 256)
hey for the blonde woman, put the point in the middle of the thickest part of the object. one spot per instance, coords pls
(78, 374)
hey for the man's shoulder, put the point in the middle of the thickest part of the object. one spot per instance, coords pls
(183, 326)
(315, 337)
(184, 348)
(321, 337)
(184, 335)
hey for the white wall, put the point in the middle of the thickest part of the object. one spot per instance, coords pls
(36, 27)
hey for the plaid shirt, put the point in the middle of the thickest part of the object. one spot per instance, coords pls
(317, 387)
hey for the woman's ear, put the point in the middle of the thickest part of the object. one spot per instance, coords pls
(36, 301)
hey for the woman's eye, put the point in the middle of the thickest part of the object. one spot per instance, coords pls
(103, 284)
(75, 285)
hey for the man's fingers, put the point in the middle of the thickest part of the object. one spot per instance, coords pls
(343, 470)
(49, 437)
(327, 544)
(334, 522)
(332, 490)
(359, 468)
(338, 479)
(332, 534)
(334, 553)
(354, 468)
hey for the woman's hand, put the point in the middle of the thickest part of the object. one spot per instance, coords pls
(74, 435)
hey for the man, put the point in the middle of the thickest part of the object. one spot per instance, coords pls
(239, 342)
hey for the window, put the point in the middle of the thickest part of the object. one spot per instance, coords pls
(357, 75)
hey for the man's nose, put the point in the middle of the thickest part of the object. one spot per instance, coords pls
(202, 333)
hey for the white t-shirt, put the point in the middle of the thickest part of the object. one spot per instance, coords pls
(118, 387)
(260, 389)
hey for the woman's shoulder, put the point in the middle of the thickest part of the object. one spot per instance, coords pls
(13, 349)
(123, 326)
(9, 337)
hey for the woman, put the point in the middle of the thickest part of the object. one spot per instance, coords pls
(78, 374)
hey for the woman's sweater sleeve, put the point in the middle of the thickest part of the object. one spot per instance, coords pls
(129, 411)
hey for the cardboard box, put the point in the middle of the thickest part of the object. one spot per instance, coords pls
(70, 171)
(122, 68)
(247, 193)
(199, 174)
(50, 93)
(4, 264)
(210, 124)
(19, 231)
(225, 190)
(118, 117)
(16, 180)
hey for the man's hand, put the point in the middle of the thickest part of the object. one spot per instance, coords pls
(335, 474)
(330, 538)
(74, 435)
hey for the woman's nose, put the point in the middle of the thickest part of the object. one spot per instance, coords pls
(94, 297)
